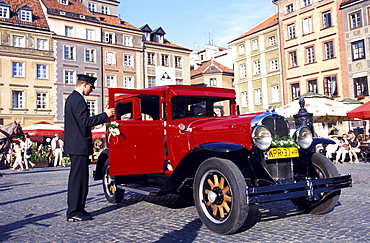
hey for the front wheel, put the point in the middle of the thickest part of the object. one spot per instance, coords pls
(220, 195)
(324, 202)
(111, 192)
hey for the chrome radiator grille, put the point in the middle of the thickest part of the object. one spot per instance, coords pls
(277, 125)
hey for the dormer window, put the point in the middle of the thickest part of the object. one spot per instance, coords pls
(159, 38)
(4, 12)
(64, 2)
(25, 13)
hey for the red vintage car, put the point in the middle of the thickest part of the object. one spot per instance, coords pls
(190, 139)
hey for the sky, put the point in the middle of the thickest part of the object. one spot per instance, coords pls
(195, 23)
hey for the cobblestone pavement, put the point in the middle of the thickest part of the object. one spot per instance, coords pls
(33, 206)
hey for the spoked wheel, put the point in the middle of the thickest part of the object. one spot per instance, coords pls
(323, 202)
(112, 193)
(220, 195)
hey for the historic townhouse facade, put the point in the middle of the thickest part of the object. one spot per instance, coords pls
(27, 67)
(165, 63)
(219, 54)
(121, 53)
(257, 67)
(77, 50)
(356, 18)
(312, 48)
(213, 74)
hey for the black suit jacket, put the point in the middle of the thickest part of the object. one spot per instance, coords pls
(78, 124)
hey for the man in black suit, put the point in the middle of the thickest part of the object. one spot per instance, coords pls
(78, 144)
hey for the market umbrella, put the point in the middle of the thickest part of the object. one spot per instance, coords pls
(323, 109)
(98, 133)
(43, 128)
(361, 112)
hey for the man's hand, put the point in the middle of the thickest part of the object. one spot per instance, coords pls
(110, 111)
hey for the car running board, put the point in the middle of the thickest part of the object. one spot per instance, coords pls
(144, 190)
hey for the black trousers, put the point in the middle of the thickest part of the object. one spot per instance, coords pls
(78, 184)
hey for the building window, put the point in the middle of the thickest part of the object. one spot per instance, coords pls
(258, 97)
(330, 86)
(42, 44)
(306, 3)
(289, 8)
(151, 58)
(291, 31)
(18, 41)
(4, 12)
(310, 52)
(64, 2)
(358, 50)
(69, 52)
(307, 26)
(104, 10)
(41, 71)
(255, 45)
(91, 7)
(128, 83)
(26, 16)
(272, 40)
(91, 105)
(361, 86)
(312, 86)
(69, 77)
(17, 99)
(212, 82)
(295, 91)
(159, 38)
(293, 59)
(275, 94)
(329, 50)
(273, 65)
(41, 100)
(244, 99)
(165, 60)
(111, 81)
(243, 71)
(151, 82)
(68, 31)
(241, 49)
(110, 58)
(89, 55)
(18, 69)
(178, 62)
(89, 34)
(355, 20)
(179, 82)
(110, 38)
(257, 67)
(127, 60)
(127, 40)
(326, 17)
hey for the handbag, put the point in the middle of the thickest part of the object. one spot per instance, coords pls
(29, 151)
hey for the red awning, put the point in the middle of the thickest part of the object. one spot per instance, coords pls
(361, 112)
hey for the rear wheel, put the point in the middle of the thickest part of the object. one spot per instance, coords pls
(220, 195)
(111, 192)
(324, 202)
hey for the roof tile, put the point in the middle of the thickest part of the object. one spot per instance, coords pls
(205, 68)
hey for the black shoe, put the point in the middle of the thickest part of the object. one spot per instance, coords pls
(85, 213)
(79, 217)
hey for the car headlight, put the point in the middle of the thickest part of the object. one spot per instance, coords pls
(261, 137)
(304, 137)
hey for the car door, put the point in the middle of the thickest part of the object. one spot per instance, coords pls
(138, 148)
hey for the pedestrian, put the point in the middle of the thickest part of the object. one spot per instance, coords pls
(18, 157)
(27, 151)
(57, 148)
(332, 148)
(354, 148)
(342, 150)
(78, 144)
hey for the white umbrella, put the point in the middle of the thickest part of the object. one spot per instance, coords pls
(323, 109)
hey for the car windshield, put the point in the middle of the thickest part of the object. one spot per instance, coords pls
(184, 107)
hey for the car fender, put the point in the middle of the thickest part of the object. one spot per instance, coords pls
(98, 173)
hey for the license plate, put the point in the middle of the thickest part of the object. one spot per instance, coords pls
(281, 153)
